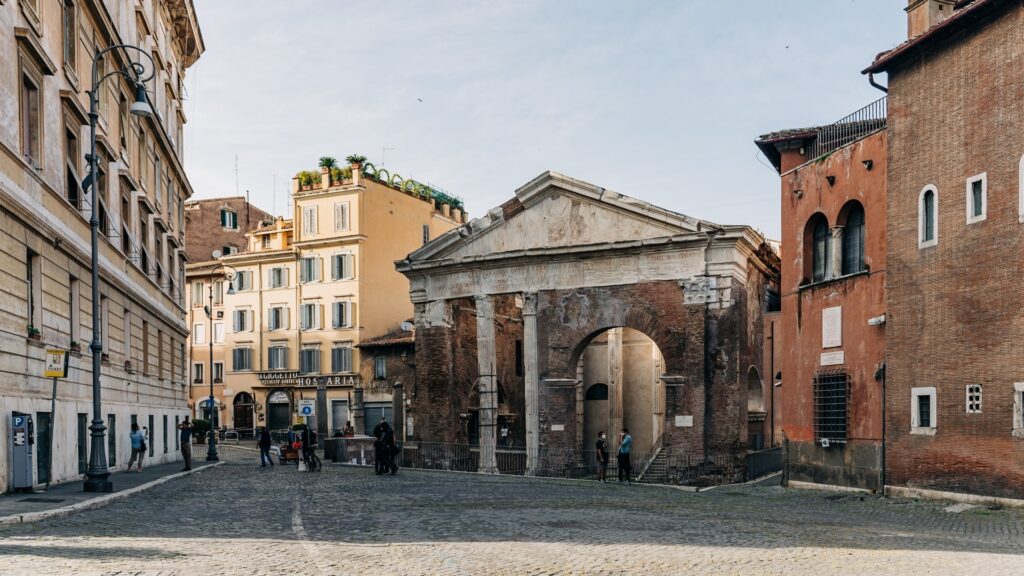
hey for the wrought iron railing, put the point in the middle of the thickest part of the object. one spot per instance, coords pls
(764, 462)
(849, 129)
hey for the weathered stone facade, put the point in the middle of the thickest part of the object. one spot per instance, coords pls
(529, 286)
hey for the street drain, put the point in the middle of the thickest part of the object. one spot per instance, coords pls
(42, 500)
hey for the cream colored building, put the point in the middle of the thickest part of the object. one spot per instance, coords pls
(307, 292)
(46, 49)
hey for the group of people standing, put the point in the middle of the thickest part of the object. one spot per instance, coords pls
(624, 465)
(384, 448)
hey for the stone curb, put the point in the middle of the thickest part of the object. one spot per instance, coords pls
(578, 481)
(98, 502)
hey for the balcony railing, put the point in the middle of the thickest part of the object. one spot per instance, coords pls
(849, 129)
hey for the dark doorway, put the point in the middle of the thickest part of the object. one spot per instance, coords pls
(43, 431)
(243, 413)
(279, 411)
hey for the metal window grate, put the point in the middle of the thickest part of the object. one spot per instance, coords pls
(831, 396)
(974, 399)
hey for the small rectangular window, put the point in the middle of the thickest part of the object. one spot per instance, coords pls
(923, 410)
(83, 442)
(30, 121)
(218, 372)
(341, 315)
(426, 233)
(380, 367)
(977, 201)
(974, 399)
(228, 219)
(197, 372)
(198, 334)
(111, 440)
(309, 220)
(309, 269)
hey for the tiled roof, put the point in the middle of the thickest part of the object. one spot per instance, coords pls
(393, 338)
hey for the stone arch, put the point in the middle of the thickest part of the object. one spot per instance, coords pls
(755, 391)
(638, 320)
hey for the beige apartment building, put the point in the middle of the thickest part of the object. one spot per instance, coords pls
(307, 292)
(46, 59)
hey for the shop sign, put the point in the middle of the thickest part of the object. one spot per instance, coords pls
(313, 381)
(277, 377)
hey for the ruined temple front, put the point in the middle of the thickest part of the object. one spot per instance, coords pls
(572, 309)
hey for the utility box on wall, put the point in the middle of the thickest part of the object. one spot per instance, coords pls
(22, 440)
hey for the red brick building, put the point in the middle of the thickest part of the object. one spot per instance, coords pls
(954, 406)
(220, 224)
(830, 339)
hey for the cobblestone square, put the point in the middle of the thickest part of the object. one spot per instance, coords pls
(241, 519)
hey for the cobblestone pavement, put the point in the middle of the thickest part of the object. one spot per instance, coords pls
(240, 519)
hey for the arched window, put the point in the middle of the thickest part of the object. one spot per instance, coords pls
(928, 208)
(820, 248)
(853, 239)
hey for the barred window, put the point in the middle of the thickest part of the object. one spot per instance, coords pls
(974, 399)
(831, 395)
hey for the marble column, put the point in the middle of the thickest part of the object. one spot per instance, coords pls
(836, 252)
(487, 384)
(615, 409)
(531, 382)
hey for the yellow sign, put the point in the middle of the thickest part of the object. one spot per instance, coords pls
(56, 364)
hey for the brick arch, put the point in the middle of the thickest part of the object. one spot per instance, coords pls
(570, 320)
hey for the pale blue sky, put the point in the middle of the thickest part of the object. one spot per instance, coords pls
(657, 100)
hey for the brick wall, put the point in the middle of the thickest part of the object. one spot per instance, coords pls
(203, 230)
(956, 307)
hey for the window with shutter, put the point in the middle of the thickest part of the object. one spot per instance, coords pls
(340, 315)
(341, 359)
(341, 216)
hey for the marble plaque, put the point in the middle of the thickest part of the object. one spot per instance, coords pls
(558, 427)
(684, 421)
(832, 327)
(833, 358)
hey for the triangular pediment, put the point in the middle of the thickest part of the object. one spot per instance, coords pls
(553, 211)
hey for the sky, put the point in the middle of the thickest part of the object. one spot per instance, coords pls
(653, 99)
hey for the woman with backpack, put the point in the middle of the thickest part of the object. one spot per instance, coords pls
(138, 438)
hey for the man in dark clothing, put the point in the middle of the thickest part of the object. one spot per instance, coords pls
(602, 456)
(264, 444)
(384, 447)
(185, 443)
(307, 443)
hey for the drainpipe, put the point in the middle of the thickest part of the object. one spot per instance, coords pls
(871, 80)
(882, 470)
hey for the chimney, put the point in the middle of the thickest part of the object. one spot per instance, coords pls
(923, 14)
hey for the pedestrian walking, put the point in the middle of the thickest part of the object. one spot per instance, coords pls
(264, 443)
(625, 447)
(138, 438)
(185, 443)
(390, 449)
(601, 448)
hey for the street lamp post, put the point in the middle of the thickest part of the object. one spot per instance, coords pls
(98, 475)
(229, 275)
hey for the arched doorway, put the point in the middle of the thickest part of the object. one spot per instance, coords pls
(243, 412)
(755, 410)
(279, 410)
(621, 371)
